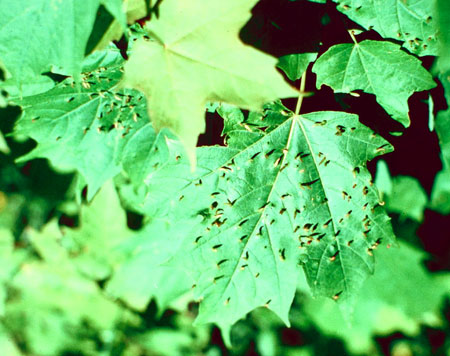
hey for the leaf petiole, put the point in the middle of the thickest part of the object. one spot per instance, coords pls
(302, 93)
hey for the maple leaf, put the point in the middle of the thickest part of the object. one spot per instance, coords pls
(294, 193)
(411, 22)
(69, 124)
(376, 67)
(197, 59)
(45, 44)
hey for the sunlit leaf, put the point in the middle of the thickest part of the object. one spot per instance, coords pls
(182, 65)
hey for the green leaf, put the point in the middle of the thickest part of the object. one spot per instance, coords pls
(440, 195)
(297, 192)
(403, 195)
(379, 68)
(103, 227)
(3, 144)
(407, 198)
(442, 122)
(383, 179)
(38, 36)
(386, 304)
(118, 9)
(134, 10)
(197, 58)
(443, 14)
(411, 22)
(86, 129)
(294, 65)
(34, 85)
(273, 114)
(146, 273)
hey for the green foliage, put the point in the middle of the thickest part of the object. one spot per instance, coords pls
(281, 214)
(262, 213)
(392, 78)
(386, 303)
(103, 227)
(134, 10)
(85, 129)
(294, 65)
(440, 197)
(26, 53)
(403, 195)
(411, 22)
(48, 298)
(442, 11)
(146, 271)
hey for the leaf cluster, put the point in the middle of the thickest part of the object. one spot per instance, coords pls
(285, 214)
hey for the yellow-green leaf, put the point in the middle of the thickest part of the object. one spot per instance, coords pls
(198, 57)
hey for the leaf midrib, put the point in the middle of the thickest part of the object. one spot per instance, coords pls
(235, 269)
